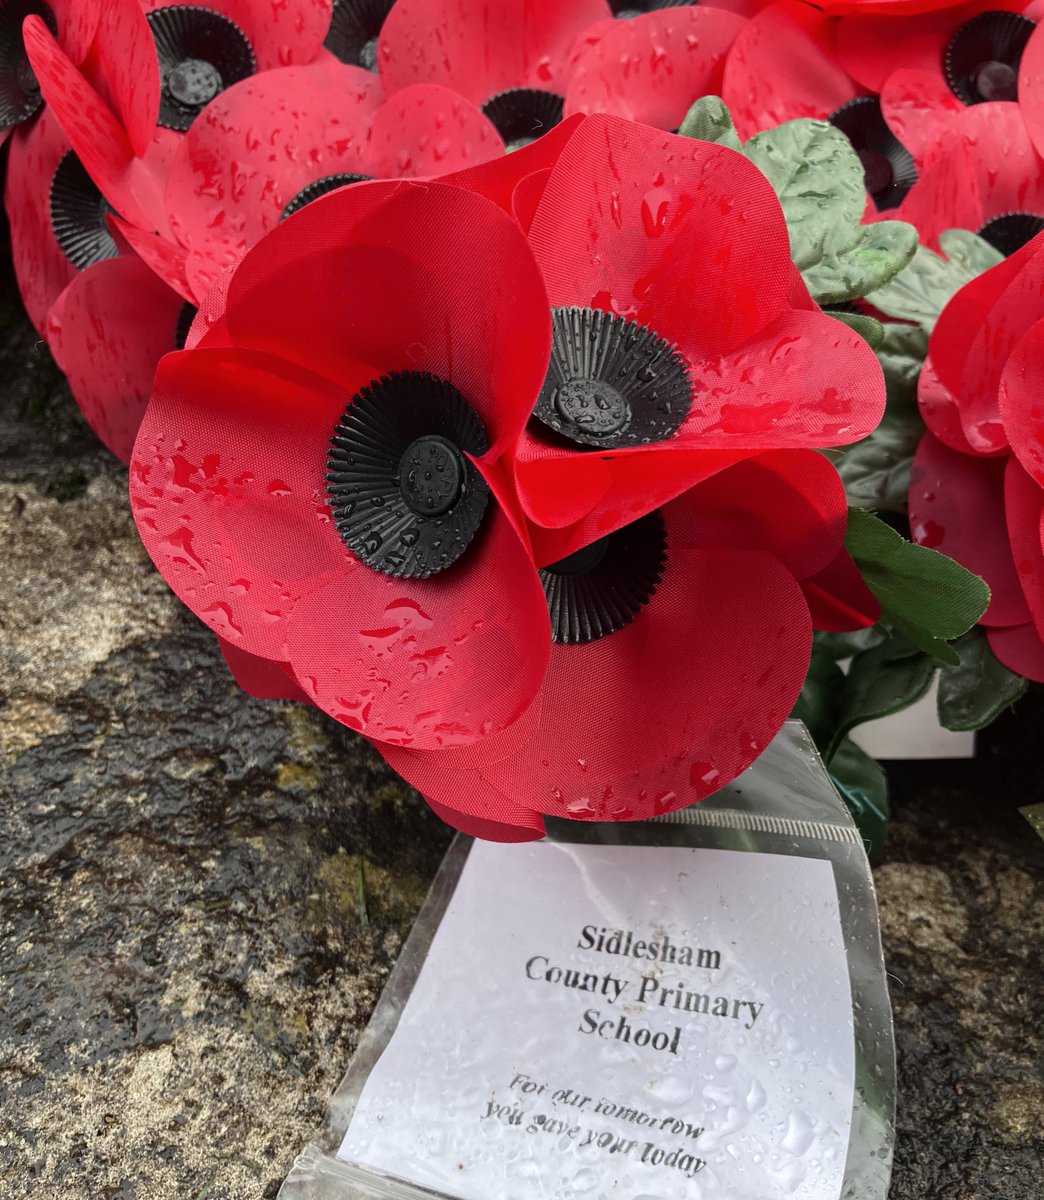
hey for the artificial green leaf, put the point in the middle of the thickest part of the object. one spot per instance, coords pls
(978, 689)
(819, 181)
(871, 331)
(923, 594)
(881, 681)
(817, 704)
(969, 252)
(901, 355)
(925, 286)
(864, 788)
(846, 645)
(879, 253)
(710, 121)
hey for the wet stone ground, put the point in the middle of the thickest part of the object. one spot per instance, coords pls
(201, 895)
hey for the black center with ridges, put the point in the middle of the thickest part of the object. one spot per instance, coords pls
(602, 588)
(201, 53)
(355, 28)
(623, 10)
(186, 315)
(19, 89)
(888, 166)
(981, 61)
(521, 115)
(611, 382)
(1011, 231)
(78, 212)
(320, 187)
(405, 498)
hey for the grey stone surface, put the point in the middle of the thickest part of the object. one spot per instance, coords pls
(201, 895)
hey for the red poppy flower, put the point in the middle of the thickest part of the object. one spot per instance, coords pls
(683, 342)
(107, 331)
(681, 642)
(655, 67)
(318, 479)
(979, 472)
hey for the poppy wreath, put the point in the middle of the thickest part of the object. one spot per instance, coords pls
(977, 487)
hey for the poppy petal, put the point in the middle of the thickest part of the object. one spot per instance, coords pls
(239, 530)
(957, 508)
(623, 738)
(1024, 505)
(940, 410)
(428, 663)
(783, 66)
(481, 50)
(530, 827)
(126, 57)
(165, 259)
(77, 24)
(839, 600)
(378, 272)
(1020, 649)
(919, 109)
(429, 130)
(945, 196)
(261, 677)
(1022, 399)
(42, 270)
(298, 123)
(1031, 88)
(107, 331)
(870, 47)
(654, 67)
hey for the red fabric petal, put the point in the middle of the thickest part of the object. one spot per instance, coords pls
(498, 179)
(1031, 88)
(430, 663)
(838, 597)
(1020, 649)
(1022, 395)
(945, 196)
(1024, 505)
(42, 270)
(261, 677)
(957, 508)
(280, 34)
(653, 68)
(255, 146)
(480, 49)
(940, 411)
(429, 130)
(107, 331)
(976, 334)
(126, 61)
(166, 260)
(622, 737)
(526, 197)
(683, 236)
(379, 272)
(529, 829)
(227, 486)
(871, 47)
(920, 109)
(77, 24)
(783, 65)
(132, 185)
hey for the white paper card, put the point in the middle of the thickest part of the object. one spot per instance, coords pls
(622, 1023)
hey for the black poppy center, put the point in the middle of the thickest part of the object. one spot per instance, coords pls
(405, 497)
(981, 60)
(78, 215)
(624, 10)
(355, 28)
(320, 187)
(186, 315)
(611, 382)
(200, 54)
(1011, 231)
(521, 115)
(19, 88)
(601, 588)
(888, 167)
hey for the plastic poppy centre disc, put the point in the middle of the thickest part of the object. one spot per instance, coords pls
(78, 212)
(521, 115)
(1011, 231)
(20, 96)
(981, 61)
(611, 382)
(355, 28)
(888, 167)
(601, 588)
(200, 54)
(320, 187)
(405, 498)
